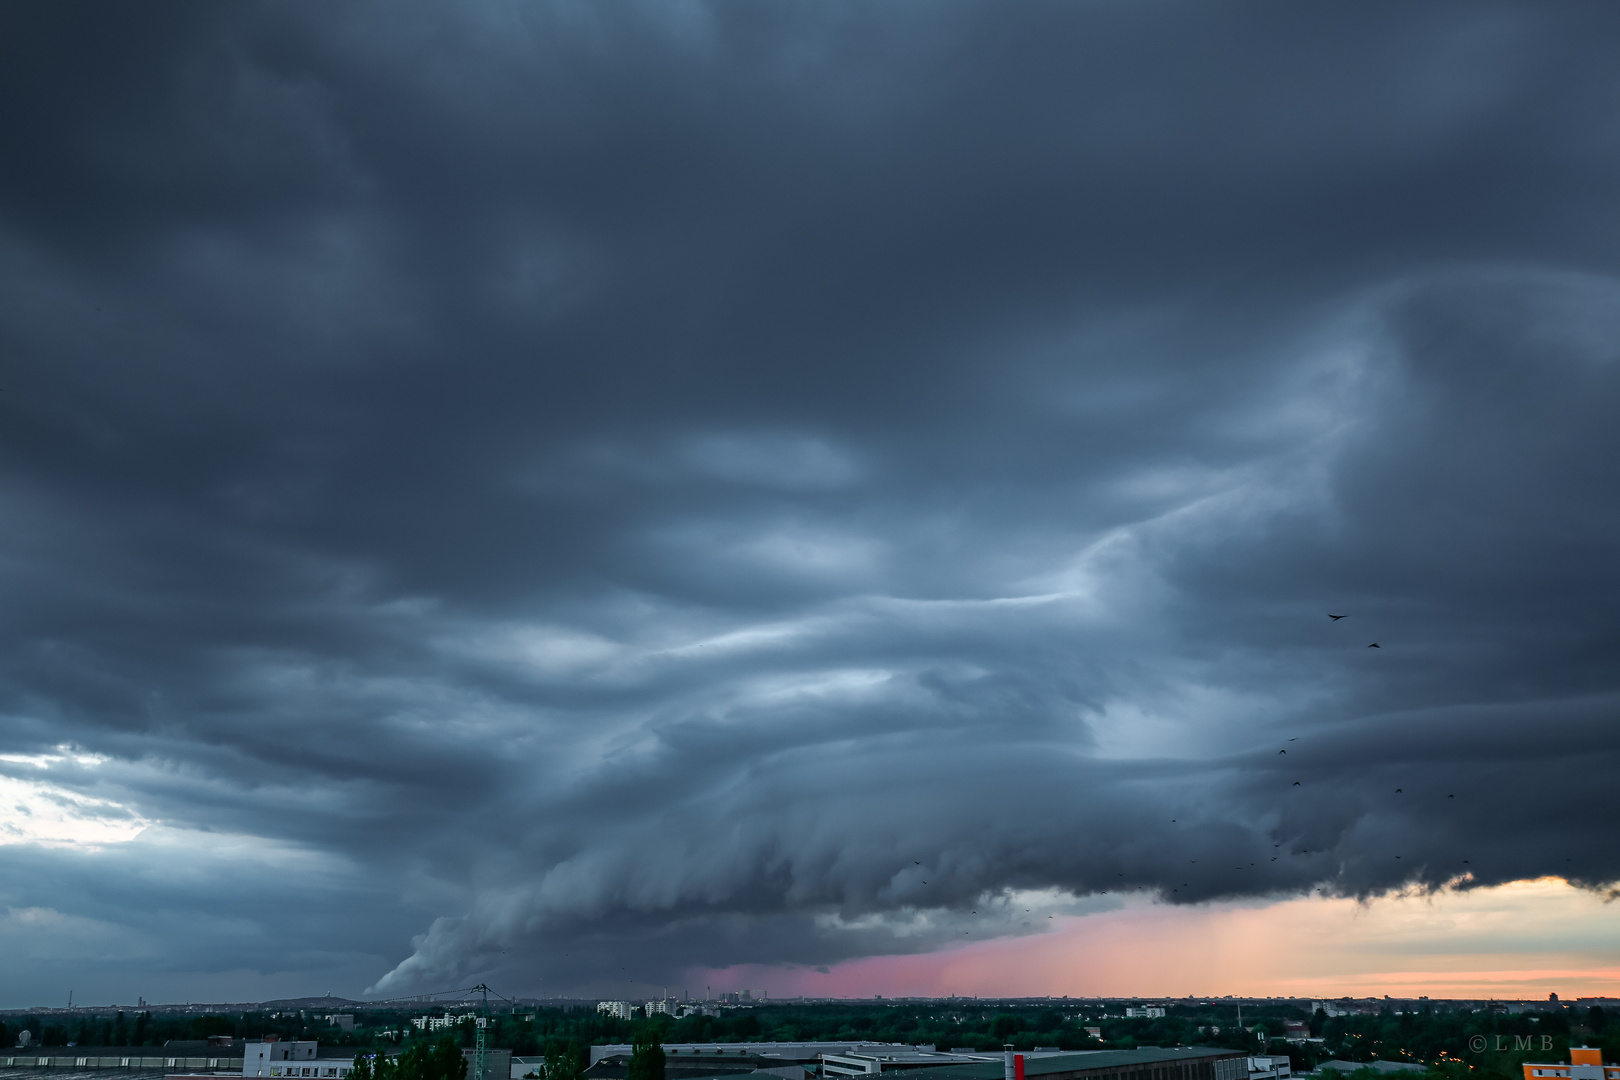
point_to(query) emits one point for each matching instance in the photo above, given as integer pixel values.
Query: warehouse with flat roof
(1178, 1063)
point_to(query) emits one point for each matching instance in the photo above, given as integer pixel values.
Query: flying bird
(1374, 645)
(1282, 751)
(1296, 783)
(1397, 791)
(1335, 618)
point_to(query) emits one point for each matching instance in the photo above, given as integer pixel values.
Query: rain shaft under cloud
(600, 491)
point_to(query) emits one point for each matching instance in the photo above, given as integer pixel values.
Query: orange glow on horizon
(1522, 940)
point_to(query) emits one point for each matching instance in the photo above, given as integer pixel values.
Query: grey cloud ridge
(537, 491)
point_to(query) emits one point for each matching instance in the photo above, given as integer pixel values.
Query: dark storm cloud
(608, 490)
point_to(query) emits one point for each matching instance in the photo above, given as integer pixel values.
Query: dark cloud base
(609, 490)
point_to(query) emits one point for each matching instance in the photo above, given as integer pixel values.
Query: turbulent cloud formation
(565, 494)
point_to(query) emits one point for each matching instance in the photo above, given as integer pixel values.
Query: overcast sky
(585, 496)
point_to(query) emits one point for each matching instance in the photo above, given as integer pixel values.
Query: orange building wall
(1578, 1055)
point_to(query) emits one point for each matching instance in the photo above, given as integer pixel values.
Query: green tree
(566, 1059)
(646, 1059)
(1006, 1024)
(437, 1060)
(559, 1063)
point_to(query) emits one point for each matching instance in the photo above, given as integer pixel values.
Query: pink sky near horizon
(1526, 939)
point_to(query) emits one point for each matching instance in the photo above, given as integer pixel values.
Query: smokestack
(1007, 1065)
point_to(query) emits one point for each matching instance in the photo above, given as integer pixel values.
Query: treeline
(979, 1028)
(428, 1059)
(1454, 1044)
(1482, 1044)
(123, 1029)
(1455, 1041)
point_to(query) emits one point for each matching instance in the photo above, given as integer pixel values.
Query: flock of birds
(1398, 791)
(1284, 751)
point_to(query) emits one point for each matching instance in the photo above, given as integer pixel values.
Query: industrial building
(199, 1056)
(1585, 1063)
(873, 1060)
(1180, 1063)
(307, 1060)
(1269, 1067)
(792, 1061)
(296, 1057)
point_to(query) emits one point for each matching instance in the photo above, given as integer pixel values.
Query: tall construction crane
(481, 1039)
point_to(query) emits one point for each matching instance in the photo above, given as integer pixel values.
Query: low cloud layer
(567, 495)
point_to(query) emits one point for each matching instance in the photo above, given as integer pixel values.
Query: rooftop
(1047, 1064)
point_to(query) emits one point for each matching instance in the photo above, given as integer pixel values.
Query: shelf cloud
(569, 495)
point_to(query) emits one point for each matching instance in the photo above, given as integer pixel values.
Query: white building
(1269, 1067)
(1145, 1011)
(666, 1008)
(294, 1057)
(435, 1023)
(871, 1060)
(621, 1009)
